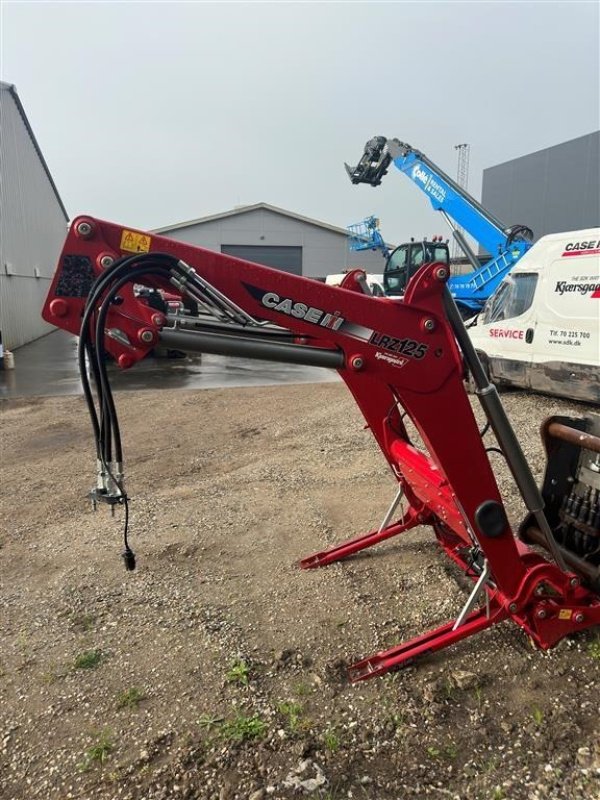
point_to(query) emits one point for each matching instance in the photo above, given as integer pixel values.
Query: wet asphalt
(48, 367)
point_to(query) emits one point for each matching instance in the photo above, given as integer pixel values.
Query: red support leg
(348, 548)
(437, 639)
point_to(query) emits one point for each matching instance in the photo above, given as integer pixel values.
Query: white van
(540, 330)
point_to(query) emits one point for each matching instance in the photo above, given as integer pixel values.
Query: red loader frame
(399, 359)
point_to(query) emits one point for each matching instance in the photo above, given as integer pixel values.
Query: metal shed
(552, 190)
(278, 238)
(33, 224)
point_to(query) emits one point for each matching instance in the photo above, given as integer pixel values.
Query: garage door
(288, 259)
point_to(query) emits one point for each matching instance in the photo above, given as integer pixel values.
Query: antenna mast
(462, 178)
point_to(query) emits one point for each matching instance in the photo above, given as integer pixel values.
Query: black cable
(485, 429)
(495, 450)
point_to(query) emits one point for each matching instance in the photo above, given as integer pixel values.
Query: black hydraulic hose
(108, 406)
(85, 347)
(101, 283)
(106, 429)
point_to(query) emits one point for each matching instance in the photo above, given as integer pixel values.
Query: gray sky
(153, 113)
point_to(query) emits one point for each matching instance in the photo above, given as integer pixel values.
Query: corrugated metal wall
(553, 190)
(32, 229)
(323, 251)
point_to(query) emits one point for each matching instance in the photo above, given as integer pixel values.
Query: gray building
(277, 238)
(33, 224)
(552, 190)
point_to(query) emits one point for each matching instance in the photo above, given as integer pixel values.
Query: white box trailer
(540, 330)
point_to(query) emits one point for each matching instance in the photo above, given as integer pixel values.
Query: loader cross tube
(397, 358)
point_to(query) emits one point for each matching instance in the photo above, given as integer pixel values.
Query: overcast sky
(154, 113)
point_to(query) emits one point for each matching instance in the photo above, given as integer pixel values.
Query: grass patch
(242, 728)
(303, 689)
(130, 698)
(83, 622)
(89, 659)
(99, 752)
(538, 715)
(208, 723)
(292, 713)
(239, 672)
(594, 648)
(331, 740)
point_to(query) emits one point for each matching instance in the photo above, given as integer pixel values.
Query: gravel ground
(217, 669)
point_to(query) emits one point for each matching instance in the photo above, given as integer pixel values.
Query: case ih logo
(285, 305)
(591, 248)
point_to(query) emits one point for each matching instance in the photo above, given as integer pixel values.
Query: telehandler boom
(401, 359)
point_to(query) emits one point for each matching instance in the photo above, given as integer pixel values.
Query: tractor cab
(406, 259)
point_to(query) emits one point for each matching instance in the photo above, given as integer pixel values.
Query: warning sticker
(565, 613)
(134, 242)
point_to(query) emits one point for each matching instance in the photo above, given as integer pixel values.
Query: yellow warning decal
(565, 613)
(134, 242)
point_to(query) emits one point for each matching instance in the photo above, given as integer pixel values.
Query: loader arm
(399, 359)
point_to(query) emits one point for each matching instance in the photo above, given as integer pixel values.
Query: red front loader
(401, 360)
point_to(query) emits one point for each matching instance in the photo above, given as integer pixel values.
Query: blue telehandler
(505, 245)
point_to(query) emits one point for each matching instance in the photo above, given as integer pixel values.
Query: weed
(83, 622)
(478, 695)
(594, 648)
(89, 659)
(433, 752)
(397, 720)
(450, 751)
(449, 689)
(292, 712)
(239, 672)
(23, 643)
(302, 689)
(99, 752)
(489, 765)
(242, 728)
(538, 715)
(131, 698)
(331, 740)
(499, 793)
(209, 723)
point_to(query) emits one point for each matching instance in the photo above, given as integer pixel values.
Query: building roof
(244, 210)
(12, 89)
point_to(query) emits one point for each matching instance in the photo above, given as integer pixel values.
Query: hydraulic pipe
(505, 435)
(585, 440)
(247, 347)
(462, 242)
(584, 568)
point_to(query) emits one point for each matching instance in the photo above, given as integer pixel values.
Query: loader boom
(399, 359)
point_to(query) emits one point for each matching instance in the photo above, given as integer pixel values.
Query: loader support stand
(352, 546)
(430, 642)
